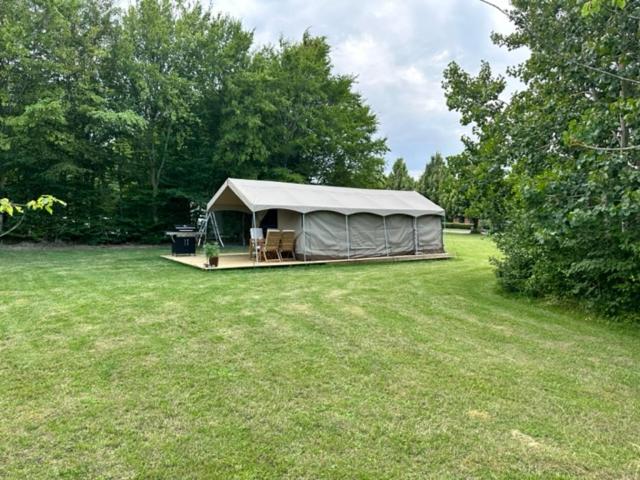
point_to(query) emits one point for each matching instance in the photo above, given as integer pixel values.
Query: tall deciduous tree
(432, 181)
(560, 163)
(288, 117)
(399, 177)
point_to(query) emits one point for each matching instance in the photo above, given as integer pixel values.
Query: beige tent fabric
(366, 236)
(325, 236)
(429, 233)
(400, 234)
(259, 195)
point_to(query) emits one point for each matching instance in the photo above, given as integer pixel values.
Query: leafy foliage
(399, 178)
(43, 202)
(211, 249)
(135, 116)
(557, 170)
(439, 184)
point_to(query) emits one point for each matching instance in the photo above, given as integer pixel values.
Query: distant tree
(431, 182)
(399, 178)
(439, 184)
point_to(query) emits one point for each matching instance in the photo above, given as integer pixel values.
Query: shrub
(458, 226)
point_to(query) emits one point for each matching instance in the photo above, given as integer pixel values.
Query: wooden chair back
(287, 243)
(272, 243)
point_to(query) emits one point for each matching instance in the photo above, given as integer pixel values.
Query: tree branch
(600, 70)
(14, 227)
(605, 149)
(500, 9)
(609, 149)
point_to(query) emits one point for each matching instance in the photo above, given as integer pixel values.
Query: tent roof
(258, 195)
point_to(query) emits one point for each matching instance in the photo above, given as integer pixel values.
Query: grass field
(115, 363)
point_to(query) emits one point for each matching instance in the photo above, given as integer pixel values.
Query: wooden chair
(257, 240)
(272, 245)
(288, 243)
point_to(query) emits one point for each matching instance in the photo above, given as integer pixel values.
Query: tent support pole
(255, 243)
(304, 239)
(346, 224)
(415, 235)
(386, 237)
(216, 229)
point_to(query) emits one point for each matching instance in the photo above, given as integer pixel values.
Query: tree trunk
(154, 198)
(476, 225)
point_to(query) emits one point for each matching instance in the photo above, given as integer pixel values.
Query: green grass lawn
(115, 363)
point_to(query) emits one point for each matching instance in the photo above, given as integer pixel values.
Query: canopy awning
(259, 195)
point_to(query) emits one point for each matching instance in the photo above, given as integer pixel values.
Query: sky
(397, 49)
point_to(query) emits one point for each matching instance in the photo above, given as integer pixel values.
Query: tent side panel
(326, 236)
(366, 235)
(430, 233)
(400, 234)
(289, 220)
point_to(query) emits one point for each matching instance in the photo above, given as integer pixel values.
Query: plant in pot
(212, 252)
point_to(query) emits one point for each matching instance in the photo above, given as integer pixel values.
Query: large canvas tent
(338, 222)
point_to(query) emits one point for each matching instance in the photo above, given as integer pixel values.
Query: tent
(338, 222)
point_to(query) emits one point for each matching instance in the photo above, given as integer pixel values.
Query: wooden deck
(230, 261)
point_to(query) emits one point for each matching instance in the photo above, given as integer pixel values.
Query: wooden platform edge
(351, 261)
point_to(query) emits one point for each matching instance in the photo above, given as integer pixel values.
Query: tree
(51, 94)
(399, 178)
(431, 182)
(559, 163)
(439, 184)
(165, 56)
(480, 185)
(288, 117)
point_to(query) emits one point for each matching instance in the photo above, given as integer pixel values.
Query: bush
(458, 226)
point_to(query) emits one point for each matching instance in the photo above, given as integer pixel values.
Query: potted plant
(212, 252)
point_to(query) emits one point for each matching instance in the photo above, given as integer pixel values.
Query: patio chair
(287, 244)
(272, 245)
(257, 240)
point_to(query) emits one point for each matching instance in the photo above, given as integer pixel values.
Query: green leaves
(7, 207)
(44, 202)
(399, 178)
(132, 115)
(592, 7)
(288, 117)
(557, 169)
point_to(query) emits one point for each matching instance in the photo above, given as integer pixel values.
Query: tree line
(135, 117)
(556, 168)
